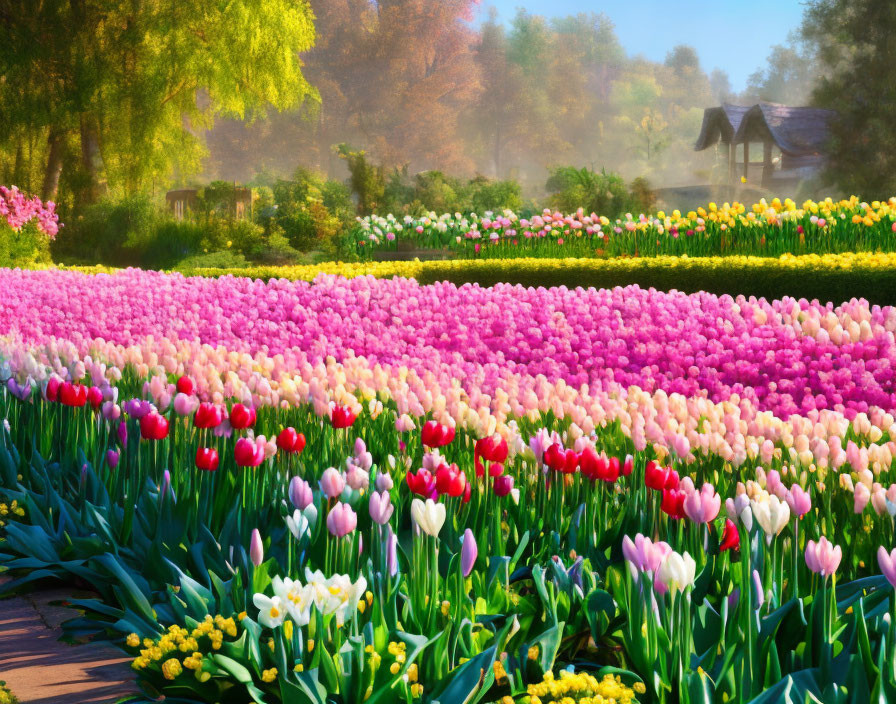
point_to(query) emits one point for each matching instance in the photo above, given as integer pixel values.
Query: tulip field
(763, 229)
(369, 489)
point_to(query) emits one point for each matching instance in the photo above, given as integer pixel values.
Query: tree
(720, 85)
(856, 49)
(134, 81)
(789, 77)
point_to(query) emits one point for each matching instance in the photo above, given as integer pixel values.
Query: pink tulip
(703, 506)
(256, 548)
(798, 500)
(887, 562)
(341, 520)
(823, 557)
(332, 483)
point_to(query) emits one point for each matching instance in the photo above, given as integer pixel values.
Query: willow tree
(131, 85)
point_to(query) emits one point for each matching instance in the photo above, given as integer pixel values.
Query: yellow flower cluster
(398, 651)
(470, 268)
(10, 510)
(581, 688)
(179, 641)
(7, 697)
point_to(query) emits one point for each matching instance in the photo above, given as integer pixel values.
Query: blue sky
(734, 35)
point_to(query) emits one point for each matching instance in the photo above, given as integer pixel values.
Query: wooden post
(746, 160)
(767, 166)
(732, 162)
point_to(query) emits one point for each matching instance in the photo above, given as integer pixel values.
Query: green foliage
(368, 182)
(571, 188)
(24, 247)
(141, 80)
(227, 259)
(310, 211)
(856, 49)
(138, 232)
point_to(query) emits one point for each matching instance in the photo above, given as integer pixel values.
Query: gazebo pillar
(732, 162)
(746, 160)
(767, 166)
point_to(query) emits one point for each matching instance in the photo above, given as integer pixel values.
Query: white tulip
(677, 571)
(430, 516)
(772, 515)
(297, 523)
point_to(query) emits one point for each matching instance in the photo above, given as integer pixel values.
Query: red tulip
(451, 480)
(628, 465)
(208, 415)
(421, 483)
(467, 493)
(248, 453)
(503, 485)
(672, 480)
(655, 476)
(730, 537)
(153, 427)
(673, 503)
(94, 397)
(435, 434)
(185, 385)
(74, 395)
(342, 417)
(588, 461)
(480, 468)
(495, 470)
(242, 417)
(207, 458)
(492, 448)
(290, 441)
(609, 470)
(53, 384)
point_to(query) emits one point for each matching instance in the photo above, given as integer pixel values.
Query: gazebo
(799, 134)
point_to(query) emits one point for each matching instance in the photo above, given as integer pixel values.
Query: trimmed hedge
(832, 277)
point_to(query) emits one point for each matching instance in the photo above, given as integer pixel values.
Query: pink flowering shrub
(26, 227)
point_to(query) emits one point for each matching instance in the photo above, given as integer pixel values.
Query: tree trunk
(91, 161)
(56, 143)
(15, 177)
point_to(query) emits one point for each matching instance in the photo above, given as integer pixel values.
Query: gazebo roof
(797, 131)
(720, 124)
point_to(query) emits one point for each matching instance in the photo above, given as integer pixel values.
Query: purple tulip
(391, 552)
(384, 481)
(123, 433)
(112, 458)
(300, 493)
(468, 552)
(381, 507)
(256, 548)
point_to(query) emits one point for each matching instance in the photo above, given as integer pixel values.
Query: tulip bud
(468, 553)
(256, 548)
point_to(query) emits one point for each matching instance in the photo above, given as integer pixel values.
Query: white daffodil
(430, 516)
(271, 610)
(335, 595)
(298, 525)
(296, 597)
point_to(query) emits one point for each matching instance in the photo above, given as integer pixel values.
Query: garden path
(40, 669)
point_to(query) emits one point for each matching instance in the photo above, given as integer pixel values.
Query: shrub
(571, 188)
(24, 247)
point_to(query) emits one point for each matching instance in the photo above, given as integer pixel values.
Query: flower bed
(372, 490)
(764, 229)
